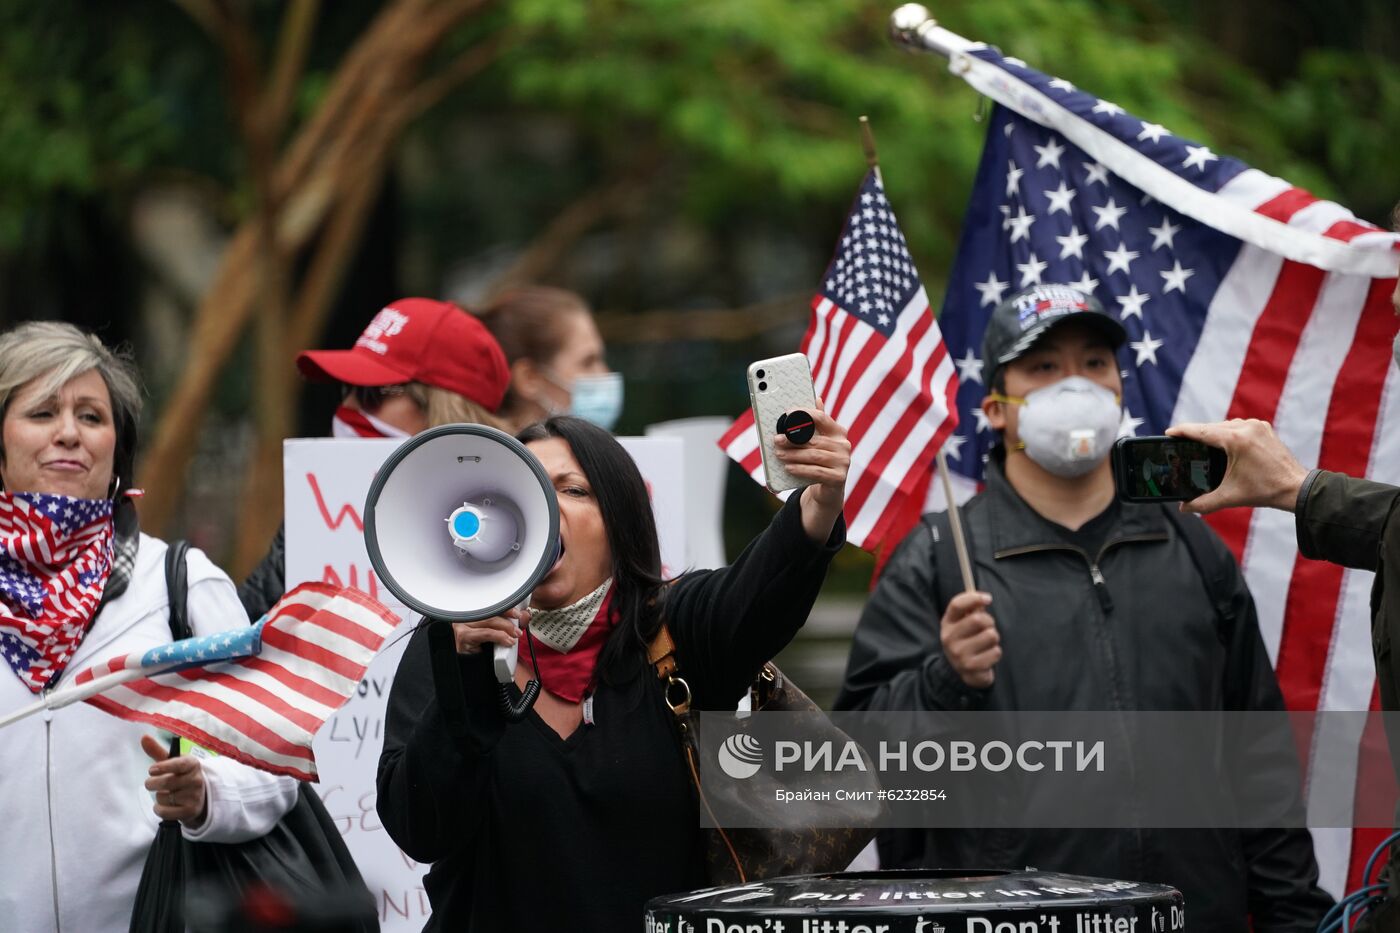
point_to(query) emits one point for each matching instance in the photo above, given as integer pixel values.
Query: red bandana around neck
(568, 674)
(55, 558)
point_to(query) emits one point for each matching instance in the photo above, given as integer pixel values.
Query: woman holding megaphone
(574, 817)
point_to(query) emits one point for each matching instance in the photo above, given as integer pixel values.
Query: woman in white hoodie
(81, 791)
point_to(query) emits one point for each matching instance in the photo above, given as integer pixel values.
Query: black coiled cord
(516, 703)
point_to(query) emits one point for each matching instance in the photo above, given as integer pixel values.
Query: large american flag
(1242, 295)
(879, 366)
(55, 557)
(257, 694)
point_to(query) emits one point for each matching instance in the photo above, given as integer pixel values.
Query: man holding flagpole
(1086, 604)
(1243, 296)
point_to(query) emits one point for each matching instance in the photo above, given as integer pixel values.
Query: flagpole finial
(909, 22)
(867, 141)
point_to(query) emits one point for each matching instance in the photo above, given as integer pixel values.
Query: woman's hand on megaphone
(501, 630)
(823, 461)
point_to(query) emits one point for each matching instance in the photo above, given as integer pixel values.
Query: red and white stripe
(354, 423)
(1253, 207)
(263, 710)
(22, 541)
(1310, 351)
(894, 397)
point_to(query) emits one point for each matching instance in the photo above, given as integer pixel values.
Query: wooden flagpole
(955, 523)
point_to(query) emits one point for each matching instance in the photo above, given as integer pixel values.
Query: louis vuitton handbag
(738, 855)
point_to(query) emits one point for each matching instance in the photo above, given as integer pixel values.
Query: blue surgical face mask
(597, 398)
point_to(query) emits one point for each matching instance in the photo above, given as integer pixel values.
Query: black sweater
(527, 831)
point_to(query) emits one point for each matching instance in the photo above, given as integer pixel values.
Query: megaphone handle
(515, 704)
(504, 662)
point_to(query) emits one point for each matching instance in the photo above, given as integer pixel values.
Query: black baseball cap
(1022, 319)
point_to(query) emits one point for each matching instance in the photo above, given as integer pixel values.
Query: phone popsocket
(797, 426)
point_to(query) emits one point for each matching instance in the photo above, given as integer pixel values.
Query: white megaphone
(462, 523)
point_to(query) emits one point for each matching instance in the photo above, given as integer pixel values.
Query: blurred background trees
(225, 182)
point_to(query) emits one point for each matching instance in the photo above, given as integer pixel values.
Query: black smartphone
(1165, 469)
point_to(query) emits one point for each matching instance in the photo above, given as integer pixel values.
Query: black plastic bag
(299, 876)
(159, 906)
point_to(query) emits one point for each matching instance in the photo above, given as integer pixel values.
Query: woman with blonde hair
(420, 363)
(79, 585)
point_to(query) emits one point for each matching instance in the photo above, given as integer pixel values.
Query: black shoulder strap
(1197, 538)
(177, 585)
(947, 570)
(177, 588)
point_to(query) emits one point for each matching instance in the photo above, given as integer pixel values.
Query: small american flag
(880, 368)
(55, 557)
(256, 694)
(1243, 296)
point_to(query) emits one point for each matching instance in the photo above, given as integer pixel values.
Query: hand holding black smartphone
(1165, 469)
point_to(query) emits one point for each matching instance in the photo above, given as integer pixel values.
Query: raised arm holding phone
(576, 815)
(1340, 519)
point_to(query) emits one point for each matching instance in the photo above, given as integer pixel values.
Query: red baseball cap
(418, 340)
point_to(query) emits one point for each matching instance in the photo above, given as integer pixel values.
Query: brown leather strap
(700, 791)
(661, 653)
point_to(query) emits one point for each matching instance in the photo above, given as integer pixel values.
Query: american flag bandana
(55, 557)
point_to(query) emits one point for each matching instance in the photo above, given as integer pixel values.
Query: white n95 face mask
(1069, 427)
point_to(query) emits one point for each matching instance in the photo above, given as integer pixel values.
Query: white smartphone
(777, 386)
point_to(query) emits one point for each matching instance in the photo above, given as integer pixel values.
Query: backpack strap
(1214, 573)
(177, 588)
(947, 571)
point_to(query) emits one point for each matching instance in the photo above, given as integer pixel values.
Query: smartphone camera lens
(763, 387)
(759, 374)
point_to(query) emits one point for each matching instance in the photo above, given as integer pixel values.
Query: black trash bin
(939, 901)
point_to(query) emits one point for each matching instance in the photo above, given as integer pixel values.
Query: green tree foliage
(731, 122)
(79, 112)
(754, 99)
(760, 96)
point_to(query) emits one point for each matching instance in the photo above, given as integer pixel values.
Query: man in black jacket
(1082, 599)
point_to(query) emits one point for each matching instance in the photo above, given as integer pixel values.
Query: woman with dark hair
(574, 817)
